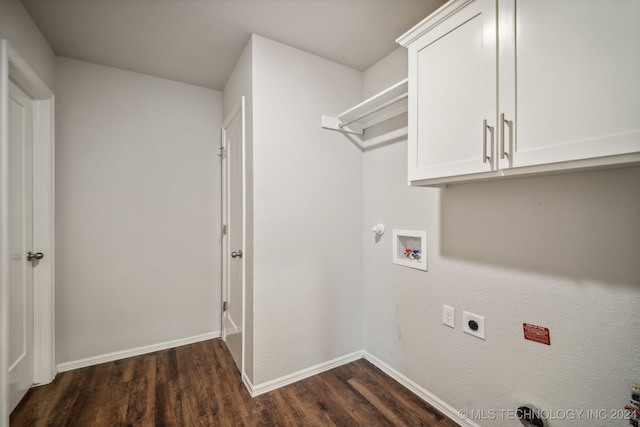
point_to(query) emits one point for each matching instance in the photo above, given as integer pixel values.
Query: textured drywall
(137, 210)
(307, 277)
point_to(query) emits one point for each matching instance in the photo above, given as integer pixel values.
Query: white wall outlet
(449, 316)
(473, 324)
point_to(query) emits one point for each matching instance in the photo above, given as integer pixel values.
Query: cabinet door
(576, 74)
(452, 78)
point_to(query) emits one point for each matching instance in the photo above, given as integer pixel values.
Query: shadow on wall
(583, 225)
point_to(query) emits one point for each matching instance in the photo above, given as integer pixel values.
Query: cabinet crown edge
(431, 21)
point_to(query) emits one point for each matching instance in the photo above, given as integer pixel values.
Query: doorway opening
(233, 235)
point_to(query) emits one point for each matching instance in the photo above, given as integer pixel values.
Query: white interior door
(233, 240)
(26, 223)
(20, 221)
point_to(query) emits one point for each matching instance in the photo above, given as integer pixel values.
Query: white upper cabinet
(520, 87)
(453, 95)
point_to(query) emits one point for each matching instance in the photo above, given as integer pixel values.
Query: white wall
(17, 27)
(557, 251)
(307, 213)
(137, 210)
(386, 72)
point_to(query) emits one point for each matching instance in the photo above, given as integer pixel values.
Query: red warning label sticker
(536, 333)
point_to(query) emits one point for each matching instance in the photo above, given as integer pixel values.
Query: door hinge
(224, 229)
(224, 306)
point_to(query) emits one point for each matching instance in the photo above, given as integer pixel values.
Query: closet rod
(375, 110)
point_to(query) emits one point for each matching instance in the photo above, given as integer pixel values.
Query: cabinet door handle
(503, 149)
(486, 157)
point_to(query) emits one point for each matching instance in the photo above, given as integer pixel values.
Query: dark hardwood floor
(199, 385)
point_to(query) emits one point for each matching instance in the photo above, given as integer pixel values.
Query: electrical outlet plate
(449, 316)
(466, 318)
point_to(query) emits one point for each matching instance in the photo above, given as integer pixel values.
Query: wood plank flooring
(199, 385)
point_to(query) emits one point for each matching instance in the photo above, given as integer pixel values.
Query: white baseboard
(428, 397)
(95, 360)
(300, 375)
(248, 384)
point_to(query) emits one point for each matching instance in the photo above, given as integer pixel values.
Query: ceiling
(199, 41)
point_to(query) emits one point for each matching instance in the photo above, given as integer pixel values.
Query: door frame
(226, 249)
(14, 67)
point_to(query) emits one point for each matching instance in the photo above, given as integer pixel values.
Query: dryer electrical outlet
(473, 324)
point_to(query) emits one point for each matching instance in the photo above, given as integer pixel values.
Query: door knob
(31, 256)
(236, 254)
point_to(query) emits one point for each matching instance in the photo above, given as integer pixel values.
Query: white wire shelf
(385, 105)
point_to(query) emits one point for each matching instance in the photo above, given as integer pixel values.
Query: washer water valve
(412, 253)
